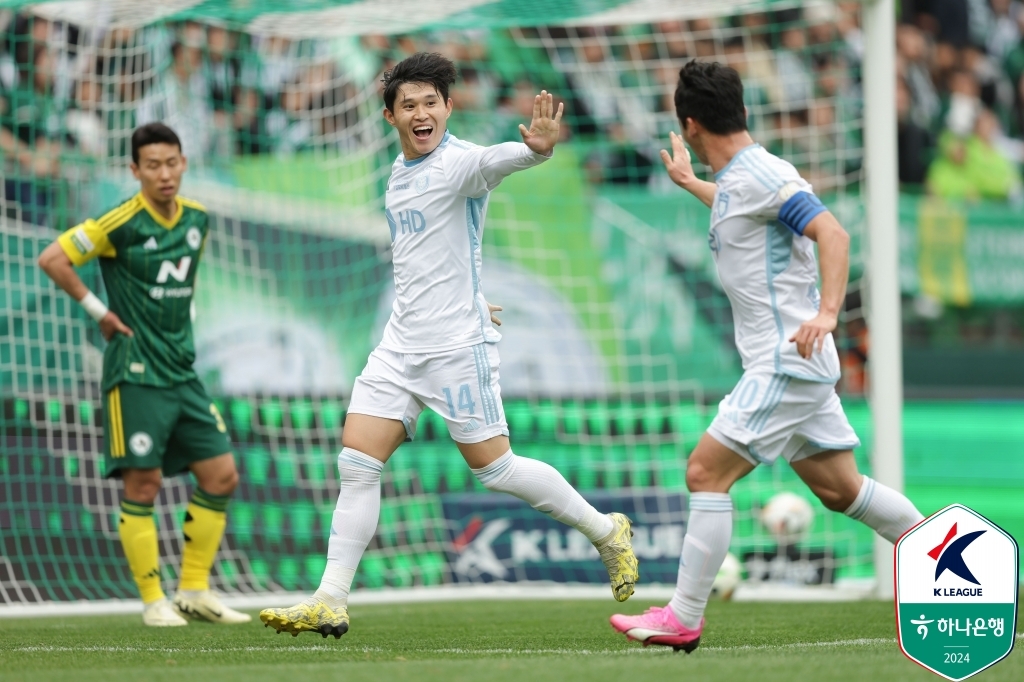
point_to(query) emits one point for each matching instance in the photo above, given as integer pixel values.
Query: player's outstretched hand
(543, 132)
(494, 309)
(812, 333)
(678, 165)
(111, 324)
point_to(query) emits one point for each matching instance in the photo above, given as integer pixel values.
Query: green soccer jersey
(149, 267)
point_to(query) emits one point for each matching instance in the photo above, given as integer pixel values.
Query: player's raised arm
(484, 168)
(542, 136)
(834, 258)
(680, 170)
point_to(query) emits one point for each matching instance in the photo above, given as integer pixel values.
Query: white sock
(888, 512)
(708, 532)
(353, 525)
(545, 490)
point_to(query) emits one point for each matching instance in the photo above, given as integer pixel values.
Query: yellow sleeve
(86, 241)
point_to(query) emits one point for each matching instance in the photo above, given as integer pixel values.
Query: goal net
(617, 337)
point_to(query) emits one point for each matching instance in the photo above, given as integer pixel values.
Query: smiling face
(421, 117)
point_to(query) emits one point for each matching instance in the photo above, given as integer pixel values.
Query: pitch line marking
(457, 651)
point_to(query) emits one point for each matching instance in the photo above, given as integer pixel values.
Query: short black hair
(152, 133)
(711, 94)
(423, 67)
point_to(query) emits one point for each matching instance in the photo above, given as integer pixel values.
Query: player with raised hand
(159, 420)
(439, 347)
(765, 221)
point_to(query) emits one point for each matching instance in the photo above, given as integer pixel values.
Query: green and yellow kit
(158, 415)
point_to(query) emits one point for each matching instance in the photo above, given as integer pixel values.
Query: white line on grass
(456, 651)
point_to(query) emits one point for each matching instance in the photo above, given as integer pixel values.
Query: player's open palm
(111, 324)
(543, 133)
(678, 165)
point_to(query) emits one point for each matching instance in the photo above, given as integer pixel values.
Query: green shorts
(161, 428)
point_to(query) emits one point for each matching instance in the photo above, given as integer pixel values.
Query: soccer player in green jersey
(159, 419)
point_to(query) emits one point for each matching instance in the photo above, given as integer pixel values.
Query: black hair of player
(423, 67)
(711, 94)
(152, 133)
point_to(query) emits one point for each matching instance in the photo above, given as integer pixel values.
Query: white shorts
(460, 385)
(769, 414)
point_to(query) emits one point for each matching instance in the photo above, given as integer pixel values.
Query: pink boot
(659, 625)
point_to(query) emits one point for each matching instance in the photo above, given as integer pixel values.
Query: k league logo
(956, 593)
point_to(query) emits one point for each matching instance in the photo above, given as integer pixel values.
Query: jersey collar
(416, 162)
(737, 155)
(155, 215)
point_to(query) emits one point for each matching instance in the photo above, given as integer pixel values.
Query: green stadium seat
(86, 522)
(546, 415)
(625, 416)
(456, 473)
(616, 463)
(21, 410)
(302, 521)
(315, 565)
(652, 418)
(240, 412)
(572, 417)
(431, 567)
(331, 415)
(598, 418)
(271, 415)
(414, 515)
(587, 459)
(54, 410)
(671, 471)
(228, 571)
(428, 463)
(241, 517)
(326, 515)
(387, 526)
(315, 466)
(285, 463)
(641, 466)
(85, 413)
(273, 522)
(55, 522)
(288, 574)
(519, 416)
(431, 426)
(256, 465)
(301, 413)
(372, 571)
(71, 467)
(260, 571)
(402, 570)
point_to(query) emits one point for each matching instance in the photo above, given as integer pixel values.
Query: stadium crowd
(66, 101)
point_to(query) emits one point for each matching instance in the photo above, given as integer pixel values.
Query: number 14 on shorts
(466, 403)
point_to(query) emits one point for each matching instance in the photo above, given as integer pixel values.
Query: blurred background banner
(618, 340)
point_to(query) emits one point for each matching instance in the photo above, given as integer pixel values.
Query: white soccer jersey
(768, 270)
(435, 206)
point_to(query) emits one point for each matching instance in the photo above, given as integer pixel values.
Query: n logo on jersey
(179, 272)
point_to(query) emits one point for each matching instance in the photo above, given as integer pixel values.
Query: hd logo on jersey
(956, 592)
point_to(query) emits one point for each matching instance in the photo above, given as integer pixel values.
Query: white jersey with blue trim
(766, 266)
(435, 206)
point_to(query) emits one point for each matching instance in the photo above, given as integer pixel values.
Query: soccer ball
(729, 576)
(787, 516)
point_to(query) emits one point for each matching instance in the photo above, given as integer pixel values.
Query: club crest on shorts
(140, 443)
(194, 238)
(421, 183)
(956, 593)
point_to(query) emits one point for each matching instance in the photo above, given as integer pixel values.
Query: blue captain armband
(799, 210)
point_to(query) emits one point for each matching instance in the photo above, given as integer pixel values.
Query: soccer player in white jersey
(765, 221)
(438, 349)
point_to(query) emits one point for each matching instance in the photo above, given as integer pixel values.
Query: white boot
(206, 605)
(161, 614)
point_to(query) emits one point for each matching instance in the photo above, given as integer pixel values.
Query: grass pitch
(520, 641)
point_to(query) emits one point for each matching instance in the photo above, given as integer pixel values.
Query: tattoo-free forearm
(834, 257)
(702, 189)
